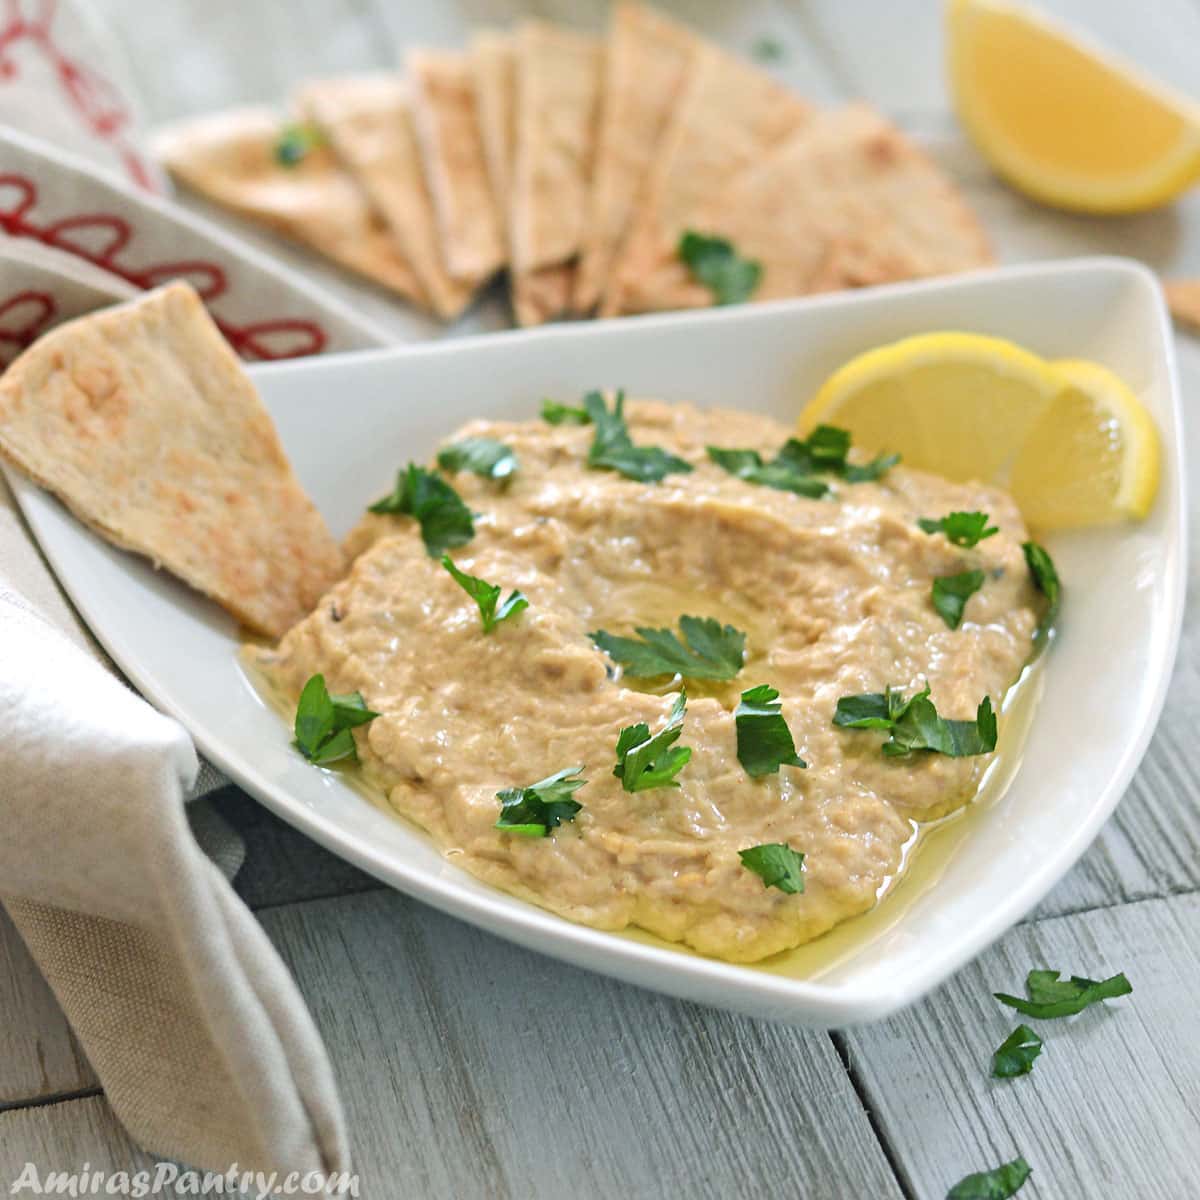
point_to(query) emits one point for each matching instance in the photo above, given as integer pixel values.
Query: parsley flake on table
(645, 762)
(997, 1184)
(613, 449)
(295, 141)
(712, 651)
(961, 528)
(951, 593)
(715, 263)
(777, 865)
(485, 457)
(1045, 579)
(1049, 997)
(1016, 1053)
(914, 724)
(554, 413)
(487, 596)
(534, 810)
(764, 742)
(324, 721)
(444, 519)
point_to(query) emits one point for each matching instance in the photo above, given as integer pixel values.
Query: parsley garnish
(960, 528)
(764, 742)
(445, 520)
(998, 1184)
(1046, 580)
(613, 449)
(1049, 996)
(1016, 1053)
(779, 473)
(487, 596)
(483, 456)
(645, 762)
(767, 49)
(715, 263)
(915, 724)
(564, 414)
(869, 472)
(324, 721)
(534, 810)
(294, 143)
(713, 651)
(951, 593)
(777, 865)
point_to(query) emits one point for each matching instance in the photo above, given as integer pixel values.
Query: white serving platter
(348, 422)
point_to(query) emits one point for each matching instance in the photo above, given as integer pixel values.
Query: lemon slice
(1061, 120)
(959, 404)
(1093, 456)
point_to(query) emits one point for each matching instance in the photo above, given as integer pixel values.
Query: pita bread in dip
(448, 134)
(368, 122)
(1183, 299)
(142, 421)
(539, 295)
(647, 64)
(848, 201)
(730, 117)
(229, 158)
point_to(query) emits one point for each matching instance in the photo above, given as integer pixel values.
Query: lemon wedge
(1069, 439)
(1062, 121)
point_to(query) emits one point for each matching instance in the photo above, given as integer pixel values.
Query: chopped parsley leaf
(1045, 578)
(613, 449)
(997, 1184)
(764, 742)
(951, 593)
(294, 143)
(564, 414)
(961, 528)
(645, 762)
(444, 519)
(914, 724)
(767, 49)
(1050, 997)
(777, 865)
(324, 721)
(869, 472)
(712, 651)
(534, 810)
(715, 263)
(778, 474)
(485, 457)
(486, 596)
(1016, 1053)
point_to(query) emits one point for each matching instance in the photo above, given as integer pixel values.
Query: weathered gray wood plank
(1112, 1107)
(470, 1068)
(63, 1137)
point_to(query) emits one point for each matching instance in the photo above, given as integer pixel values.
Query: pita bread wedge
(558, 99)
(447, 124)
(848, 201)
(647, 63)
(1183, 299)
(729, 118)
(540, 295)
(229, 158)
(142, 421)
(368, 122)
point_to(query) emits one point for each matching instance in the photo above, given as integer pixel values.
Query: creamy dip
(833, 595)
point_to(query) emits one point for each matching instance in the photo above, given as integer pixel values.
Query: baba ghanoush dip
(820, 595)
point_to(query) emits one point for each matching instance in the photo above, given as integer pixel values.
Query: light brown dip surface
(834, 597)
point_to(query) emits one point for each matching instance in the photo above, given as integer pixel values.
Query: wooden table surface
(470, 1068)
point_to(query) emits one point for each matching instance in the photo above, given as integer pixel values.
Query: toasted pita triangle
(848, 201)
(229, 158)
(558, 98)
(538, 295)
(142, 421)
(448, 133)
(1183, 299)
(647, 63)
(368, 121)
(729, 118)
